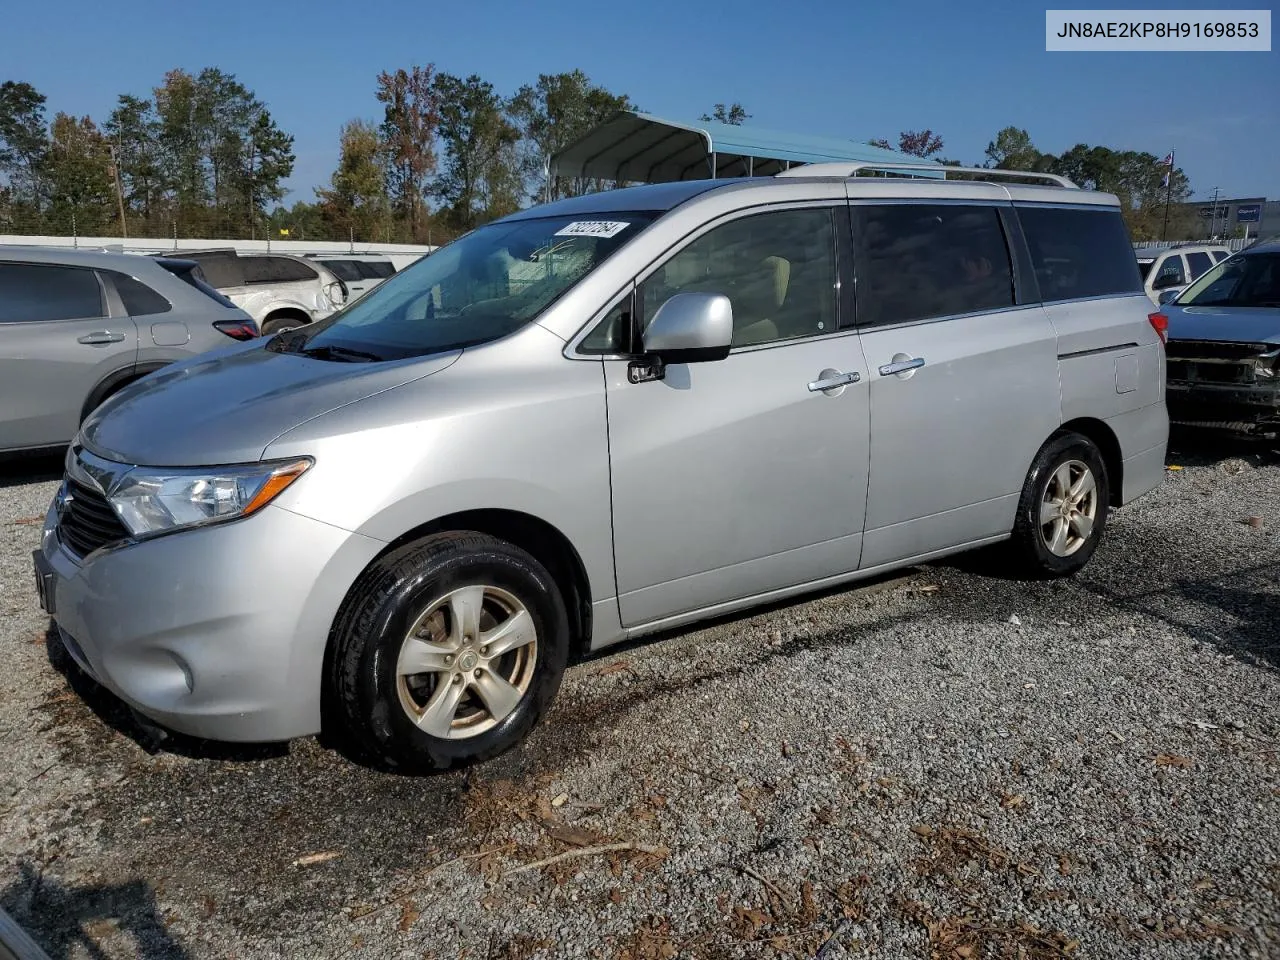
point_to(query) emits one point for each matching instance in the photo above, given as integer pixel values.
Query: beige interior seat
(759, 299)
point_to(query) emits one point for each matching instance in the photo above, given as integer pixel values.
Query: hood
(229, 406)
(1240, 324)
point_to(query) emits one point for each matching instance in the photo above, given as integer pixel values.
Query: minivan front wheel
(448, 651)
(1063, 507)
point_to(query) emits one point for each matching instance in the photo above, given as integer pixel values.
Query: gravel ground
(947, 764)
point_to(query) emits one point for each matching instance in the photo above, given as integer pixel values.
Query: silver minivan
(594, 420)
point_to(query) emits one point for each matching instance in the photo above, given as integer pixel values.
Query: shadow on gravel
(1203, 448)
(19, 469)
(1241, 593)
(113, 712)
(69, 921)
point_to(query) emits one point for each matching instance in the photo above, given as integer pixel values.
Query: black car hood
(227, 407)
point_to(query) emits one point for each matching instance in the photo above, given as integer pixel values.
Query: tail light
(1160, 323)
(237, 329)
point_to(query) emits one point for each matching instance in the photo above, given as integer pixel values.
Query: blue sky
(841, 69)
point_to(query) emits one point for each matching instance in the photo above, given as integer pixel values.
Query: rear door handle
(101, 336)
(833, 380)
(901, 366)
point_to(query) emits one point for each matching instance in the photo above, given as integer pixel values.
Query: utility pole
(1168, 191)
(115, 173)
(1213, 220)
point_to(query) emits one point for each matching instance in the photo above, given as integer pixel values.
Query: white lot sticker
(592, 228)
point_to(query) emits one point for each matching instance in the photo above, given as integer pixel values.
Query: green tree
(303, 220)
(24, 141)
(355, 203)
(553, 113)
(181, 117)
(77, 176)
(134, 131)
(1012, 149)
(479, 142)
(1134, 177)
(734, 114)
(411, 117)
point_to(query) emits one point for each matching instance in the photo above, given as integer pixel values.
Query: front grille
(1215, 350)
(1219, 372)
(87, 521)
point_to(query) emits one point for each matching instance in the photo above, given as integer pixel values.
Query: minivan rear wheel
(448, 651)
(1063, 507)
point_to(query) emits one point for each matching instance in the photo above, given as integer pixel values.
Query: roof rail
(852, 170)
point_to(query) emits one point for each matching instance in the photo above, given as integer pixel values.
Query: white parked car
(361, 272)
(279, 291)
(1169, 270)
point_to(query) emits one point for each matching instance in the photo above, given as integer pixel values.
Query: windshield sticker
(592, 228)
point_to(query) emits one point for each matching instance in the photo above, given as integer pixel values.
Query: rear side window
(376, 269)
(1198, 263)
(918, 261)
(275, 270)
(1220, 255)
(1171, 273)
(192, 275)
(31, 292)
(220, 269)
(343, 269)
(1079, 252)
(139, 299)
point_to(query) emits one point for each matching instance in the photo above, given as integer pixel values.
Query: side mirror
(1170, 280)
(1167, 295)
(691, 328)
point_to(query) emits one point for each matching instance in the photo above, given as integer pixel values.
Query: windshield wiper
(342, 354)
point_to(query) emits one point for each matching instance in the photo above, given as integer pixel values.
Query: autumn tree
(355, 203)
(553, 113)
(919, 143)
(411, 117)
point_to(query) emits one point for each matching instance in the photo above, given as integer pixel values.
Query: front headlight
(151, 500)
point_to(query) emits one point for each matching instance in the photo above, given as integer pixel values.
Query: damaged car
(1223, 349)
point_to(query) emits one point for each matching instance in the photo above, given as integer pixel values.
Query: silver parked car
(76, 326)
(594, 420)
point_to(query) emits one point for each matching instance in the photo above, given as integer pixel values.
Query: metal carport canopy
(640, 148)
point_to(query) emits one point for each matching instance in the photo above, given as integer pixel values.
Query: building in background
(1229, 218)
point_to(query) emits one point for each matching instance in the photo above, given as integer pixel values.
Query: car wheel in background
(281, 324)
(1063, 508)
(447, 651)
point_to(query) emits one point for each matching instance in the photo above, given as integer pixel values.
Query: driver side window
(778, 269)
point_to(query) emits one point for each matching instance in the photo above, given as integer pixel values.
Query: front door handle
(101, 336)
(832, 380)
(901, 366)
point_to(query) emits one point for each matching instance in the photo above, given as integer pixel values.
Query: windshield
(1241, 281)
(483, 286)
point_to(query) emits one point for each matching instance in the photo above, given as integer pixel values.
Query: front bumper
(215, 632)
(1247, 409)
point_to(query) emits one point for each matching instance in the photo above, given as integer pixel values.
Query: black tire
(1030, 551)
(279, 324)
(365, 695)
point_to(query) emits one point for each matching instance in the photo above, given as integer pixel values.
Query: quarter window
(778, 269)
(1080, 252)
(1198, 263)
(139, 300)
(919, 261)
(32, 292)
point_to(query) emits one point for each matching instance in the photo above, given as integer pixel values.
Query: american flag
(1168, 160)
